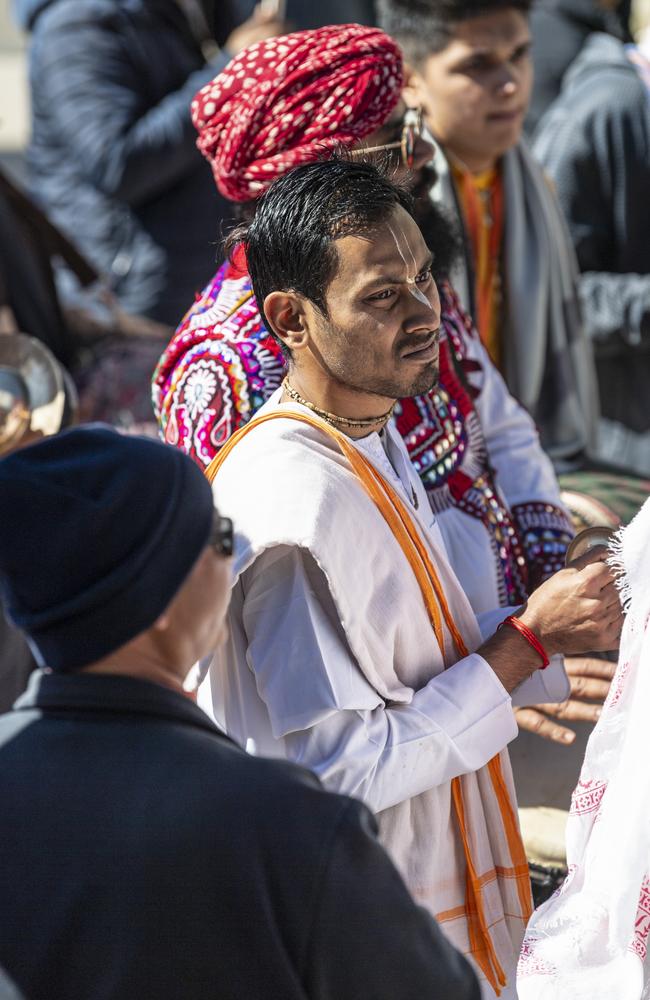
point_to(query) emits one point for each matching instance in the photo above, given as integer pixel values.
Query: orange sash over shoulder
(399, 520)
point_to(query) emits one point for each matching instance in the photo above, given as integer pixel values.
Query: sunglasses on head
(411, 130)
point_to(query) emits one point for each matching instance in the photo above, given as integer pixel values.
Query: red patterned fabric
(281, 101)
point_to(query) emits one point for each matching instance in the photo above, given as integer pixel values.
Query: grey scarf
(549, 365)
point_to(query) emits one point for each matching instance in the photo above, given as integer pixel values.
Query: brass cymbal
(32, 395)
(588, 538)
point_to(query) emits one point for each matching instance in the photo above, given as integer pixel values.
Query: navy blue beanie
(97, 533)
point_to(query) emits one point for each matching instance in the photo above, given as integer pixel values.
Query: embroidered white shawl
(589, 941)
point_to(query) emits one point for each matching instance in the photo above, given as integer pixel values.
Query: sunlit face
(475, 92)
(381, 332)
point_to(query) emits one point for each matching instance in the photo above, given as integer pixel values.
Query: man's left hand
(590, 679)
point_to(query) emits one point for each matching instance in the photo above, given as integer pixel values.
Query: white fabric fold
(332, 662)
(589, 941)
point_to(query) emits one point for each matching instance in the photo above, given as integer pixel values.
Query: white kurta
(298, 677)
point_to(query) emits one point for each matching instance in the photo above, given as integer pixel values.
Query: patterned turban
(281, 102)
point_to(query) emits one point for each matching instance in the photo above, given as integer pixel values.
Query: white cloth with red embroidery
(589, 941)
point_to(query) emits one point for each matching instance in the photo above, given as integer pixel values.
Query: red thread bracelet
(529, 636)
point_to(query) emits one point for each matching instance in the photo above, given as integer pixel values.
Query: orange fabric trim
(481, 944)
(375, 486)
(446, 915)
(398, 519)
(482, 202)
(511, 827)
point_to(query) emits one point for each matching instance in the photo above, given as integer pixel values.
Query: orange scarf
(398, 519)
(481, 197)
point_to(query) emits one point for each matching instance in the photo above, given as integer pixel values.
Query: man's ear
(414, 90)
(285, 314)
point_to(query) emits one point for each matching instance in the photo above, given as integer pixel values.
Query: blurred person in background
(559, 29)
(470, 70)
(112, 155)
(106, 355)
(300, 14)
(594, 142)
(173, 864)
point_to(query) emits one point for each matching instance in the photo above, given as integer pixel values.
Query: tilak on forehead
(402, 245)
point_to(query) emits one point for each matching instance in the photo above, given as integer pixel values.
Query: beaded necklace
(333, 418)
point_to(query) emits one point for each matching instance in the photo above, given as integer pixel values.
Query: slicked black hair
(423, 27)
(289, 243)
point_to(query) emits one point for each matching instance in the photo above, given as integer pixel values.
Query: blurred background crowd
(116, 170)
(111, 223)
(106, 154)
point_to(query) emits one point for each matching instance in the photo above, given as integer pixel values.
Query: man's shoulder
(218, 368)
(271, 790)
(289, 468)
(602, 88)
(280, 435)
(73, 14)
(178, 740)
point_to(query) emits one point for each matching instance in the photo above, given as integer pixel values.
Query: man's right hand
(577, 610)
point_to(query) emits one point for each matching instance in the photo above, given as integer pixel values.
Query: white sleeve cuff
(543, 686)
(472, 706)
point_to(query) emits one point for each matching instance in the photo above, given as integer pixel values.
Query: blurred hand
(590, 680)
(258, 27)
(578, 609)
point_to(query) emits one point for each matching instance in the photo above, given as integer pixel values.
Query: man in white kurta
(332, 659)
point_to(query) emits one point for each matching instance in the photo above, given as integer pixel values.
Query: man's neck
(142, 669)
(474, 165)
(333, 398)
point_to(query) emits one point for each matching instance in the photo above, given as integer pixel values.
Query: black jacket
(595, 144)
(225, 15)
(113, 156)
(145, 855)
(559, 29)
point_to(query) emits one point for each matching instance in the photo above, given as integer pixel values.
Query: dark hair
(422, 27)
(289, 243)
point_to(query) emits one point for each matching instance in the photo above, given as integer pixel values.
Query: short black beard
(387, 387)
(427, 380)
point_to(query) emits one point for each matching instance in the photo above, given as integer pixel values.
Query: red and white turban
(281, 102)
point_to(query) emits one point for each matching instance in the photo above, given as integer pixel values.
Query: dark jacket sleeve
(369, 939)
(596, 154)
(98, 102)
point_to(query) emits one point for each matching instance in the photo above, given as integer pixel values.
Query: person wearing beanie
(143, 853)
